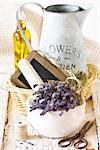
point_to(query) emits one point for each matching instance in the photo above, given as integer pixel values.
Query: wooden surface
(4, 94)
(10, 116)
(3, 113)
(12, 142)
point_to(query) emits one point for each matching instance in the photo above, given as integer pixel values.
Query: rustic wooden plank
(3, 112)
(10, 142)
(96, 104)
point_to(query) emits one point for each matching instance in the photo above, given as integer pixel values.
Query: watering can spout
(82, 14)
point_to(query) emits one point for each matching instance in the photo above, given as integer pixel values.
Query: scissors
(77, 140)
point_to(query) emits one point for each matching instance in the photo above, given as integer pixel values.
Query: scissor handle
(65, 142)
(82, 143)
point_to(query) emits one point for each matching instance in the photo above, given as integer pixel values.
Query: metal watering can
(61, 37)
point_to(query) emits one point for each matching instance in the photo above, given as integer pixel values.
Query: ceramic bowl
(52, 124)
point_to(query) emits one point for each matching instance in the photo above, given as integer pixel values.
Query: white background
(91, 27)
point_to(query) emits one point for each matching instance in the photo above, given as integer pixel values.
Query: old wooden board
(3, 113)
(37, 143)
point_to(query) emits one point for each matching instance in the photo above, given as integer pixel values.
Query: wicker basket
(20, 95)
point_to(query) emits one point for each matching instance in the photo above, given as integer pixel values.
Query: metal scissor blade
(87, 126)
(91, 123)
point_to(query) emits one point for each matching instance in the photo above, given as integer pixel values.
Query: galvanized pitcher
(61, 36)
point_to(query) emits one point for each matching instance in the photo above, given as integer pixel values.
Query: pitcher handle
(19, 26)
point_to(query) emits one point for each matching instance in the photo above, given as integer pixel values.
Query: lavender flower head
(55, 96)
